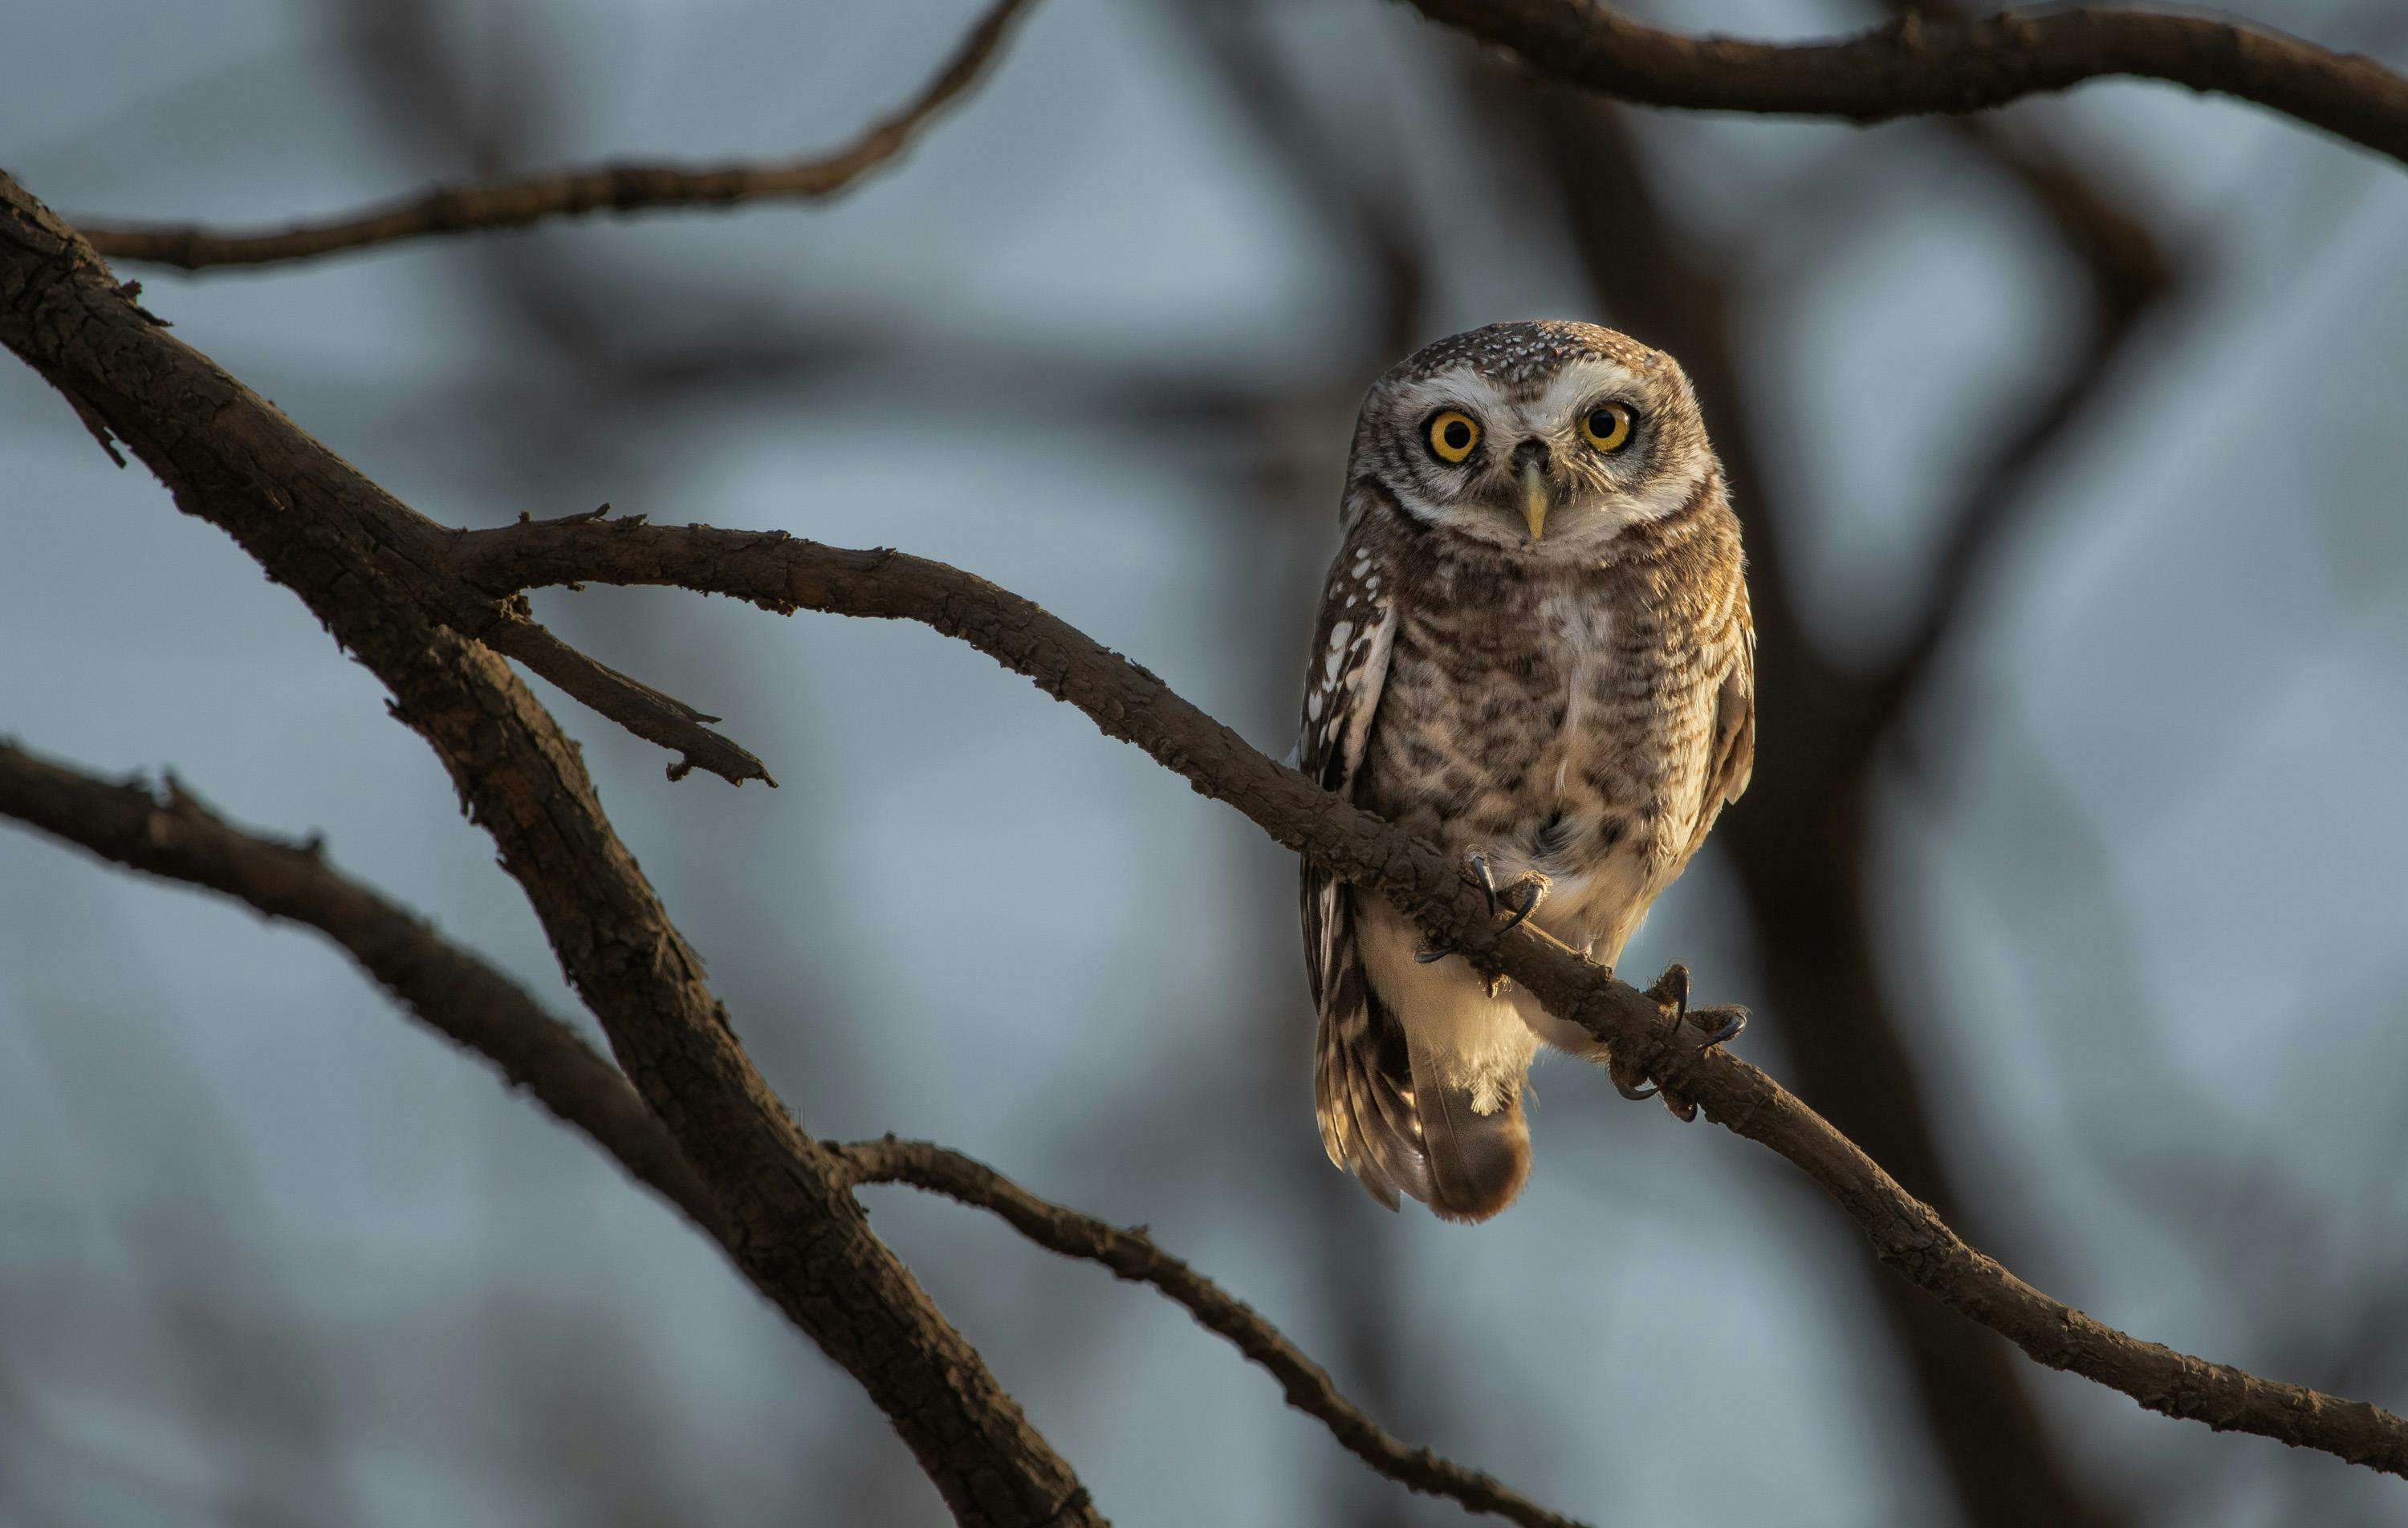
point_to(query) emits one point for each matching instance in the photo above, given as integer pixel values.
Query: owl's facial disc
(1551, 469)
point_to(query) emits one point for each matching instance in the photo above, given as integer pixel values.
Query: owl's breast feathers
(1569, 720)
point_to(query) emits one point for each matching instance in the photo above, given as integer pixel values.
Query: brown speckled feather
(1575, 702)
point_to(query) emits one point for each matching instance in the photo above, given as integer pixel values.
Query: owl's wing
(1362, 1091)
(1734, 745)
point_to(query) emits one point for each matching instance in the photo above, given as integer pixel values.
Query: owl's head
(1546, 439)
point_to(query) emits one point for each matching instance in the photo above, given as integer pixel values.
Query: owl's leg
(1524, 894)
(1714, 1026)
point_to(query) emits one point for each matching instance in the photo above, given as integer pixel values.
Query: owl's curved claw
(1638, 1095)
(1522, 895)
(1728, 1021)
(1714, 1026)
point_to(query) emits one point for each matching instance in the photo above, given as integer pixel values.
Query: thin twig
(1921, 65)
(1131, 1254)
(520, 201)
(636, 706)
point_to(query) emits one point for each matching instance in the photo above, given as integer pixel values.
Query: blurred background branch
(522, 201)
(1928, 62)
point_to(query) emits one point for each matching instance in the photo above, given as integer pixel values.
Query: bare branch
(170, 833)
(655, 717)
(1921, 65)
(521, 201)
(370, 569)
(355, 554)
(783, 573)
(1131, 1254)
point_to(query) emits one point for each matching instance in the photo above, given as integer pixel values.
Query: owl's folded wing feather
(1363, 1076)
(1733, 761)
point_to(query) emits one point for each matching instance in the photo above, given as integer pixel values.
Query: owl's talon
(1534, 888)
(1638, 1095)
(1731, 1020)
(1431, 957)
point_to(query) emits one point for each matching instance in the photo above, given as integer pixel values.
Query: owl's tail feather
(1478, 1163)
(1363, 1093)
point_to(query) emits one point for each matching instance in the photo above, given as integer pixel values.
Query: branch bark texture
(523, 201)
(372, 570)
(1921, 65)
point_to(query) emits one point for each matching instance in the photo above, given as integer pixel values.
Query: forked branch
(782, 573)
(169, 832)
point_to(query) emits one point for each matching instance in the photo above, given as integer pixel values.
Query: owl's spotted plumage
(1534, 645)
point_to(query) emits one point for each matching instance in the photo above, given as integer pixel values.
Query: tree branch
(1921, 65)
(782, 573)
(646, 712)
(353, 553)
(521, 201)
(370, 569)
(172, 834)
(1131, 1254)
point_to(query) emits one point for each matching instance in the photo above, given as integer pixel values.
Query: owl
(1535, 650)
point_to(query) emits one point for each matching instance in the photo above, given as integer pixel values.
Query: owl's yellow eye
(1607, 426)
(1452, 434)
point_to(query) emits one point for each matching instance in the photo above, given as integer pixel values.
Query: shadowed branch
(171, 833)
(372, 570)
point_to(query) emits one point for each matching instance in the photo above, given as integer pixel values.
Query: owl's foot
(1714, 1026)
(1524, 894)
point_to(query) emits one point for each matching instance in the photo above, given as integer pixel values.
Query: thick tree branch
(1921, 65)
(782, 573)
(521, 201)
(172, 834)
(370, 569)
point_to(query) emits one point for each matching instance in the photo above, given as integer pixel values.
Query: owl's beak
(1536, 498)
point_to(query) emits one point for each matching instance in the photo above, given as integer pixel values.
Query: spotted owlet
(1534, 649)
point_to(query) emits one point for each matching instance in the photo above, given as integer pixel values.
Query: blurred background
(2070, 449)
